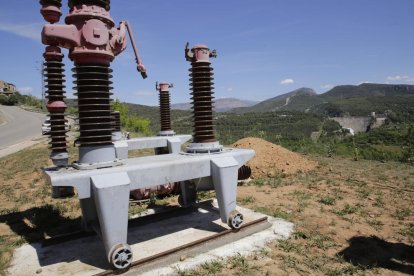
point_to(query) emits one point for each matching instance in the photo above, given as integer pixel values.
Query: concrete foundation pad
(86, 256)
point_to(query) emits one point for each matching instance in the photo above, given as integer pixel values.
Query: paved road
(20, 126)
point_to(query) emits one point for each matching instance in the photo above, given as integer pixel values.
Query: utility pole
(41, 70)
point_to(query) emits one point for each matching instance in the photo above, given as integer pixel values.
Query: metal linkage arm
(140, 66)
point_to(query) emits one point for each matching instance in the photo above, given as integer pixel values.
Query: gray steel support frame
(172, 142)
(104, 193)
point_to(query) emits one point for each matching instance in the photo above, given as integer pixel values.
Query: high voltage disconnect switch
(103, 176)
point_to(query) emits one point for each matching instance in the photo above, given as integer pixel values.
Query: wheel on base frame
(181, 200)
(235, 219)
(121, 256)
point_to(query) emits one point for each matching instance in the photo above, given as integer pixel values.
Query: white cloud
(25, 90)
(401, 78)
(230, 89)
(367, 81)
(31, 31)
(287, 81)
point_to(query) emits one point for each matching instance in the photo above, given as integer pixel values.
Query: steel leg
(224, 174)
(111, 194)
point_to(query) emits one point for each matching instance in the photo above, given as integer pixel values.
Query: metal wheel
(235, 219)
(121, 257)
(181, 200)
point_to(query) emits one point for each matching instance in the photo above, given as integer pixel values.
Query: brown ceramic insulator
(244, 172)
(100, 3)
(54, 79)
(95, 120)
(116, 121)
(202, 85)
(56, 3)
(165, 110)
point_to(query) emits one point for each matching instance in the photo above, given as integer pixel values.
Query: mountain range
(353, 100)
(357, 100)
(220, 105)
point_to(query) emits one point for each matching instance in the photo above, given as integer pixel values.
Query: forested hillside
(352, 100)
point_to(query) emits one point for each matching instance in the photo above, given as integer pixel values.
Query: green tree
(3, 99)
(122, 109)
(31, 100)
(131, 122)
(408, 149)
(13, 99)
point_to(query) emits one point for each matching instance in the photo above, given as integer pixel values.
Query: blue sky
(265, 47)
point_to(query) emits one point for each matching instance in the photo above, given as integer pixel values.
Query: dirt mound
(271, 159)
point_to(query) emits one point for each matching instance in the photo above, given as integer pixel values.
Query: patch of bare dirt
(271, 159)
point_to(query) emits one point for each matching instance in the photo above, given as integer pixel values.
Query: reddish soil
(271, 160)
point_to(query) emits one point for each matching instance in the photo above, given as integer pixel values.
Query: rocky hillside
(298, 100)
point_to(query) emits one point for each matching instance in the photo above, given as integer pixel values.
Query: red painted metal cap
(51, 13)
(163, 86)
(56, 107)
(53, 53)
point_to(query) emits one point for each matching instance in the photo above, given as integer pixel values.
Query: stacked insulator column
(54, 79)
(116, 126)
(165, 109)
(201, 82)
(116, 121)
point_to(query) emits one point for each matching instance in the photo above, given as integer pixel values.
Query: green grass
(402, 213)
(212, 267)
(246, 200)
(278, 213)
(303, 199)
(327, 200)
(376, 224)
(240, 264)
(347, 210)
(408, 232)
(290, 246)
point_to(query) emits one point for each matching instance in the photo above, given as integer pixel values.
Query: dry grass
(351, 218)
(27, 211)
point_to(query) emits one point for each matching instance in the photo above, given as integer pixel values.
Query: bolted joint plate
(166, 133)
(202, 148)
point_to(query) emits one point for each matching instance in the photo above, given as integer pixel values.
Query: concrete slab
(86, 256)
